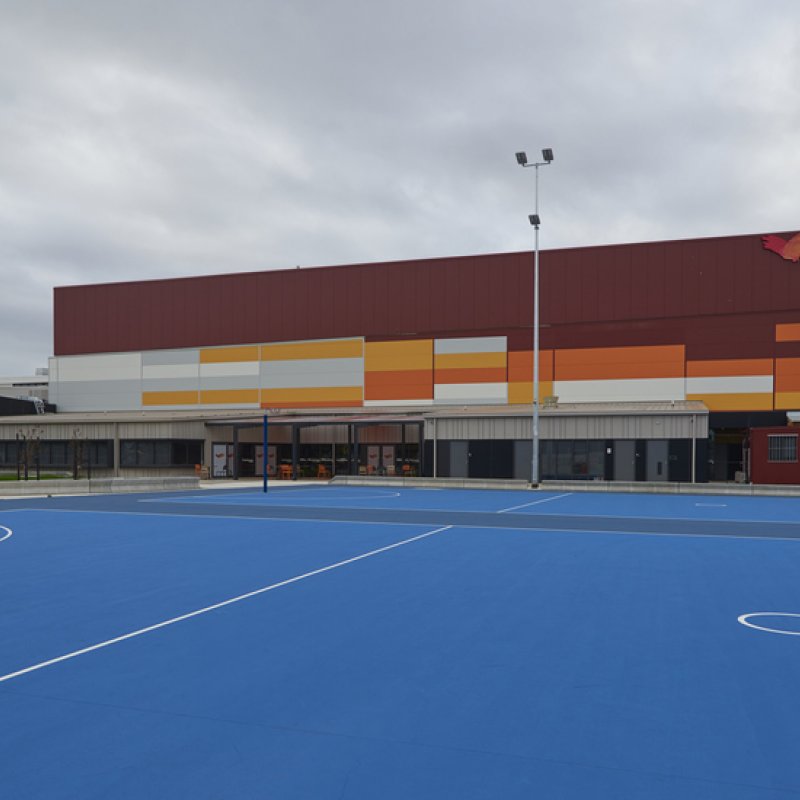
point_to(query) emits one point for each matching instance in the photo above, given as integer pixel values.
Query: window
(782, 447)
(160, 453)
(8, 454)
(55, 454)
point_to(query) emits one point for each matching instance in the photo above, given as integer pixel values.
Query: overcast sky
(162, 138)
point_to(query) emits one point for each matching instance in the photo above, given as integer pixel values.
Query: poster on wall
(219, 460)
(259, 454)
(373, 458)
(272, 460)
(388, 459)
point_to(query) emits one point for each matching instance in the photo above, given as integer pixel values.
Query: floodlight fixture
(522, 160)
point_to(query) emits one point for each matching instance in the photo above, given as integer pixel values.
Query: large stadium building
(656, 360)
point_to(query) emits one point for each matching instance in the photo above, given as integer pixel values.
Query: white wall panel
(729, 385)
(617, 391)
(227, 369)
(470, 393)
(109, 367)
(477, 344)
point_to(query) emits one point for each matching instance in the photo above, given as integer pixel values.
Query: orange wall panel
(612, 363)
(399, 391)
(214, 396)
(787, 375)
(729, 368)
(478, 375)
(169, 398)
(787, 332)
(520, 365)
(522, 392)
(320, 397)
(418, 377)
(755, 401)
(344, 348)
(219, 355)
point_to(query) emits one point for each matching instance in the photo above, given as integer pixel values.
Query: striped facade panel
(731, 384)
(470, 370)
(229, 376)
(619, 374)
(319, 374)
(520, 375)
(171, 378)
(398, 373)
(787, 383)
(107, 382)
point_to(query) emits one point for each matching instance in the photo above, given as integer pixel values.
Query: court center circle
(745, 619)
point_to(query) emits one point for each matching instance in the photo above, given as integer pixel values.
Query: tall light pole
(522, 160)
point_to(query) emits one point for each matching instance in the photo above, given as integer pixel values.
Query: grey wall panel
(170, 384)
(154, 357)
(59, 432)
(580, 427)
(234, 382)
(162, 430)
(120, 395)
(312, 373)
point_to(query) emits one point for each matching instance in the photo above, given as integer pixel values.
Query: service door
(459, 459)
(657, 459)
(624, 460)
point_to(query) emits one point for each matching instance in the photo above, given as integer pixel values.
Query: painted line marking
(744, 619)
(8, 533)
(711, 505)
(535, 502)
(467, 526)
(222, 604)
(256, 500)
(200, 515)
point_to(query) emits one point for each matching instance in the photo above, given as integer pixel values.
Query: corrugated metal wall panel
(61, 432)
(356, 300)
(657, 426)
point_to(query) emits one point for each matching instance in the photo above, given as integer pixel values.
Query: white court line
(744, 619)
(584, 515)
(516, 528)
(8, 533)
(221, 604)
(247, 518)
(227, 500)
(711, 505)
(535, 502)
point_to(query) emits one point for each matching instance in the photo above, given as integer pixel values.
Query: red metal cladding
(397, 299)
(718, 296)
(762, 470)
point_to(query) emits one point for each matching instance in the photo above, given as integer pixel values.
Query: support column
(421, 449)
(116, 453)
(236, 452)
(295, 449)
(354, 452)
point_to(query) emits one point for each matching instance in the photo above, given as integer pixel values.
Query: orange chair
(286, 472)
(323, 472)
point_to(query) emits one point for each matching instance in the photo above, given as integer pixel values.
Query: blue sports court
(369, 642)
